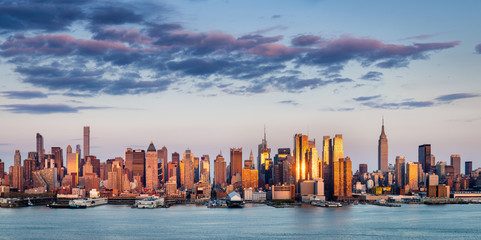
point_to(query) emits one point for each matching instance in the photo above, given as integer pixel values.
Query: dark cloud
(110, 15)
(456, 96)
(366, 98)
(369, 51)
(305, 40)
(372, 76)
(276, 16)
(24, 94)
(39, 108)
(400, 105)
(478, 48)
(122, 35)
(42, 15)
(289, 102)
(123, 87)
(197, 66)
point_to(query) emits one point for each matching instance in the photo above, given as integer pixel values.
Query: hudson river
(251, 222)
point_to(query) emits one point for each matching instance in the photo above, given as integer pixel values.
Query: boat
(149, 203)
(234, 200)
(84, 203)
(327, 204)
(217, 204)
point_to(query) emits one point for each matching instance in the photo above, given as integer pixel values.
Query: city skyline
(207, 75)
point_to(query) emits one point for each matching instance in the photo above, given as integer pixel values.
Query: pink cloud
(273, 50)
(59, 45)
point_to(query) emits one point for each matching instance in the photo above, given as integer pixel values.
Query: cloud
(345, 109)
(305, 40)
(372, 76)
(455, 96)
(422, 36)
(366, 98)
(24, 94)
(289, 102)
(478, 48)
(26, 15)
(369, 51)
(59, 45)
(44, 108)
(400, 105)
(111, 15)
(131, 36)
(276, 16)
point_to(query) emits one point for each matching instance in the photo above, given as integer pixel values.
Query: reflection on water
(252, 222)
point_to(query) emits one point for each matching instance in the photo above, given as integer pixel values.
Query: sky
(209, 75)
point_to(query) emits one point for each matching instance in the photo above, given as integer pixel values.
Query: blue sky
(207, 75)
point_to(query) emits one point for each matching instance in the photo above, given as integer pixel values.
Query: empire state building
(382, 157)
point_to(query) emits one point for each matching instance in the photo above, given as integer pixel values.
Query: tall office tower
(78, 149)
(138, 168)
(57, 152)
(312, 161)
(95, 164)
(249, 163)
(220, 171)
(28, 168)
(300, 150)
(412, 176)
(17, 158)
(468, 167)
(400, 169)
(40, 151)
(441, 169)
(151, 168)
(162, 155)
(86, 141)
(235, 164)
(382, 152)
(129, 163)
(326, 167)
(263, 158)
(205, 168)
(425, 157)
(337, 152)
(347, 175)
(196, 170)
(363, 168)
(176, 161)
(188, 171)
(456, 163)
(34, 157)
(2, 170)
(250, 177)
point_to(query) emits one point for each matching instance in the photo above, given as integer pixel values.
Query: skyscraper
(362, 168)
(73, 163)
(57, 152)
(151, 168)
(326, 161)
(337, 152)
(456, 163)
(400, 169)
(220, 171)
(205, 168)
(425, 157)
(235, 164)
(86, 141)
(300, 153)
(17, 158)
(40, 151)
(138, 168)
(196, 170)
(412, 176)
(162, 155)
(263, 160)
(188, 169)
(382, 153)
(2, 169)
(468, 167)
